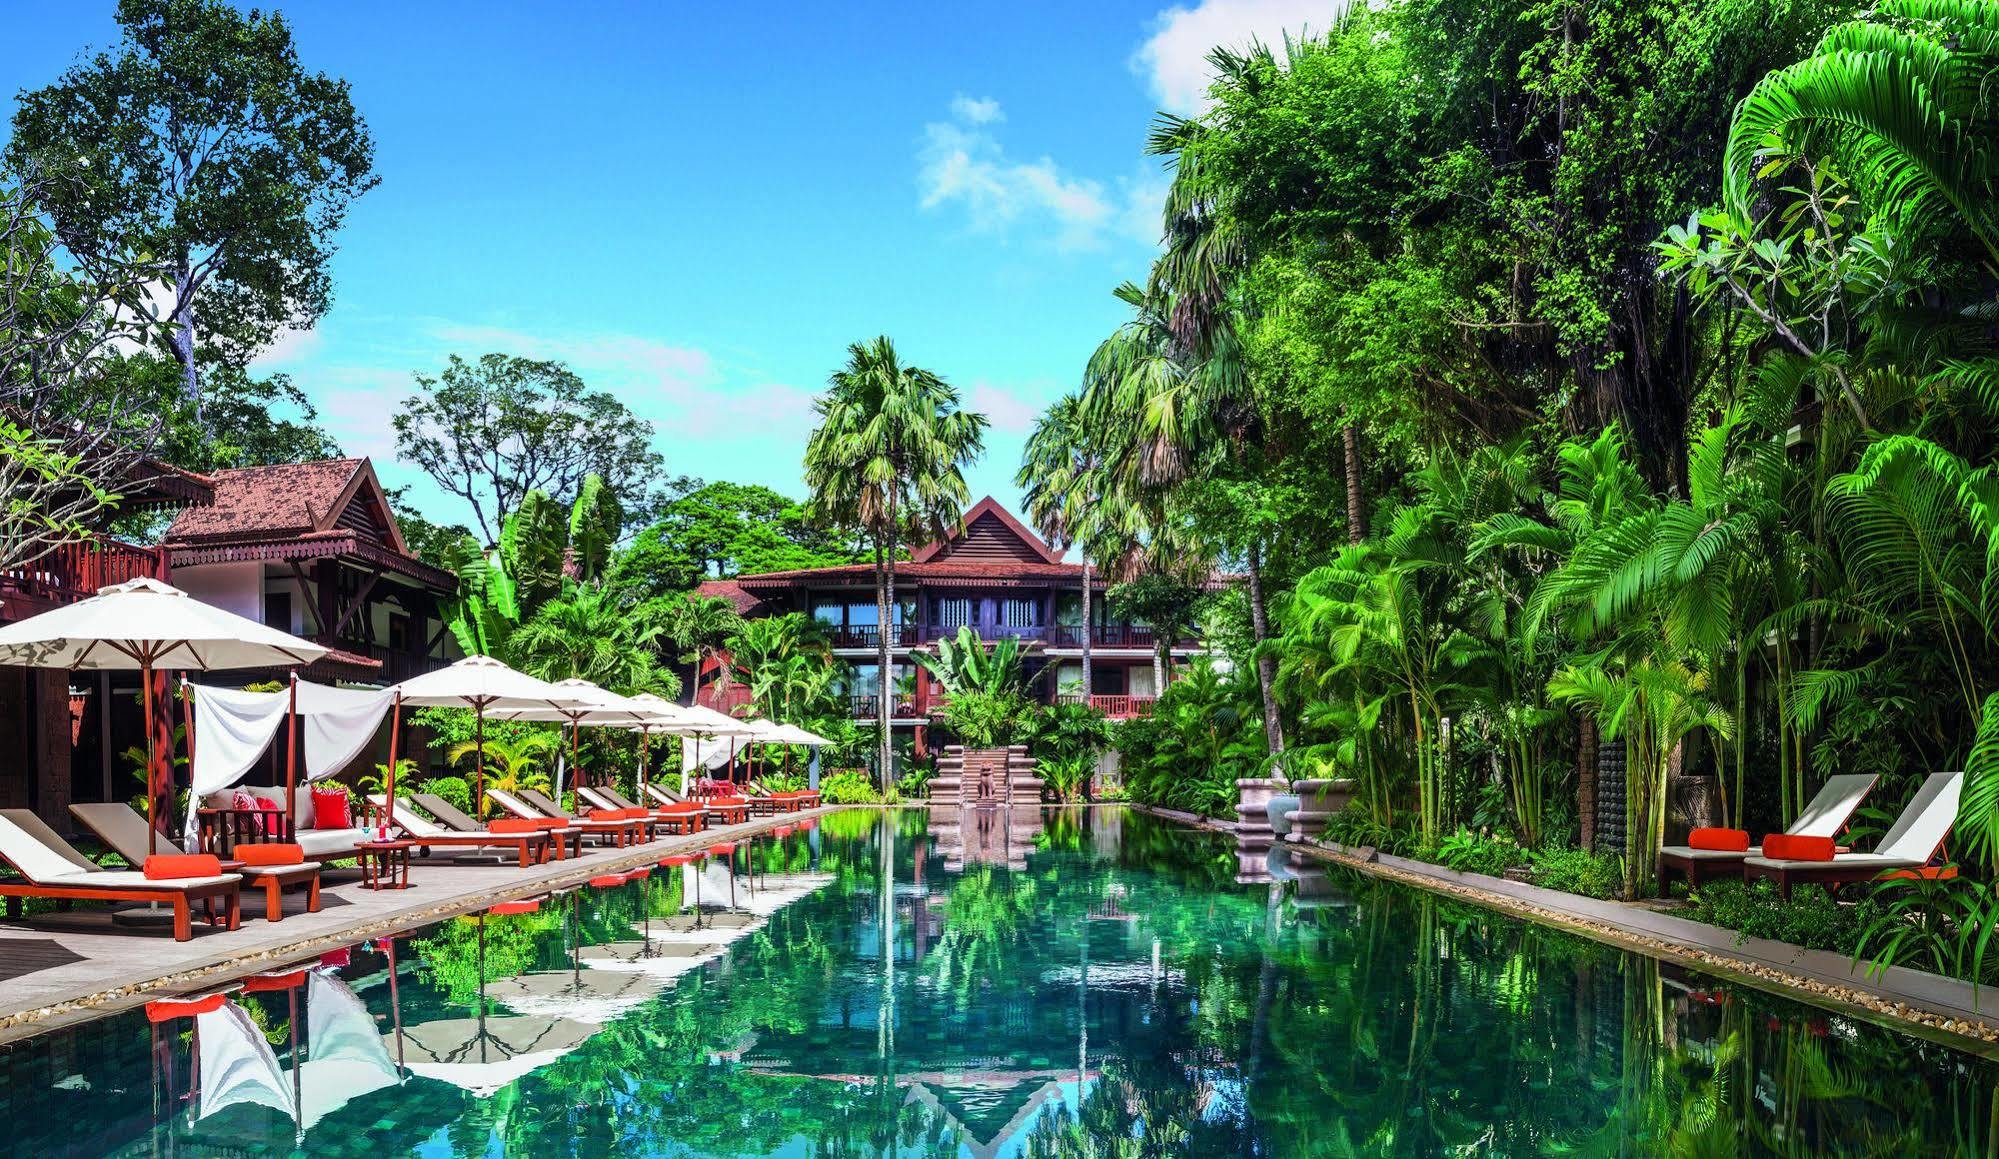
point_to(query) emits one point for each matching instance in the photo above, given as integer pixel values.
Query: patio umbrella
(146, 625)
(703, 723)
(663, 716)
(483, 685)
(586, 703)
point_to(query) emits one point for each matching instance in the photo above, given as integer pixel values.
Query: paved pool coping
(112, 970)
(1960, 1014)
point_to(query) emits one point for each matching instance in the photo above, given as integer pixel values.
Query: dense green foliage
(1574, 379)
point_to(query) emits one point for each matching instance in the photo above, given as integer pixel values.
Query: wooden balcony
(75, 571)
(1117, 707)
(725, 699)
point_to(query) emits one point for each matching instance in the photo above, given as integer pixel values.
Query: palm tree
(1073, 499)
(511, 765)
(888, 459)
(588, 633)
(700, 626)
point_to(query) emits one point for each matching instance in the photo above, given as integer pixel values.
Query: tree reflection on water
(1068, 982)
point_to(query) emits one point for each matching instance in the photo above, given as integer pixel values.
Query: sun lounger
(625, 830)
(1824, 816)
(521, 807)
(119, 826)
(1916, 838)
(427, 835)
(790, 800)
(54, 869)
(677, 820)
(451, 817)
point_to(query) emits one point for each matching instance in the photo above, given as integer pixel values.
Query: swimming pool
(1025, 983)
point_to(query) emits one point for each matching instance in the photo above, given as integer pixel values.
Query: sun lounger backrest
(540, 800)
(119, 826)
(36, 850)
(662, 794)
(1827, 812)
(514, 805)
(412, 822)
(619, 800)
(446, 812)
(598, 798)
(1926, 820)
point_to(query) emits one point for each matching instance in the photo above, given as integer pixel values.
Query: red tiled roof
(729, 590)
(939, 570)
(263, 502)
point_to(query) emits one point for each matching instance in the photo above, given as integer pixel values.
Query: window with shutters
(1017, 613)
(954, 613)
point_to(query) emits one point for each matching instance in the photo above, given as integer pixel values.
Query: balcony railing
(1054, 635)
(867, 706)
(75, 571)
(1117, 707)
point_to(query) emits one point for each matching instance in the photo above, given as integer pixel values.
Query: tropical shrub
(1203, 734)
(1812, 918)
(456, 791)
(1060, 730)
(1578, 871)
(914, 783)
(1468, 851)
(1068, 777)
(984, 719)
(848, 787)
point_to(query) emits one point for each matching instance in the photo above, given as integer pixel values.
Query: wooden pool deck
(61, 968)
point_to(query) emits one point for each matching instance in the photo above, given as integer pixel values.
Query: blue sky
(699, 206)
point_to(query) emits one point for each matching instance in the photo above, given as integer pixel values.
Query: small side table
(385, 864)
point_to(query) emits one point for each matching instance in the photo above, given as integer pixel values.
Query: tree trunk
(1356, 519)
(1089, 630)
(1159, 661)
(1266, 668)
(182, 335)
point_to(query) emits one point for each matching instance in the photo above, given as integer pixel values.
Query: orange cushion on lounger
(683, 807)
(1787, 847)
(269, 853)
(513, 825)
(1725, 840)
(162, 866)
(551, 822)
(168, 1009)
(331, 809)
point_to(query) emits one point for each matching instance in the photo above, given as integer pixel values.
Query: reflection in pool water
(1024, 983)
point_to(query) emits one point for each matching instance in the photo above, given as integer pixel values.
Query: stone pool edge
(91, 1003)
(1944, 1010)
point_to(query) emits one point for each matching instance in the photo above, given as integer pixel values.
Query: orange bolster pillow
(607, 880)
(683, 807)
(506, 908)
(727, 802)
(168, 1009)
(270, 854)
(550, 822)
(622, 815)
(512, 825)
(164, 866)
(1726, 840)
(1785, 847)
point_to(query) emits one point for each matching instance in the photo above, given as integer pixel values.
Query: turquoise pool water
(1040, 983)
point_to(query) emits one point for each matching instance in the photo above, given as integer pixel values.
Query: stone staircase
(985, 777)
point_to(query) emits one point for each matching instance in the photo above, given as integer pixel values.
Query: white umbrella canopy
(792, 734)
(706, 722)
(483, 685)
(145, 625)
(485, 1055)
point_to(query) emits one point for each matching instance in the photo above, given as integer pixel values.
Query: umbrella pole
(152, 781)
(645, 739)
(395, 758)
(291, 758)
(575, 766)
(187, 730)
(479, 767)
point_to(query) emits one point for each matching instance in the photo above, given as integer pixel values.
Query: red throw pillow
(331, 809)
(1785, 847)
(1726, 840)
(269, 853)
(168, 1009)
(513, 825)
(608, 880)
(166, 866)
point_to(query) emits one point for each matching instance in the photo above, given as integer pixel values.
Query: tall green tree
(492, 431)
(888, 459)
(202, 139)
(701, 627)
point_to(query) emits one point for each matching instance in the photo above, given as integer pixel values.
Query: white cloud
(1007, 410)
(1174, 60)
(289, 347)
(976, 110)
(963, 165)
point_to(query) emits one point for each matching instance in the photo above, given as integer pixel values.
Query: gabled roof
(730, 590)
(290, 500)
(989, 531)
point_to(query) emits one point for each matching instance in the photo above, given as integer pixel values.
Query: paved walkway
(61, 968)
